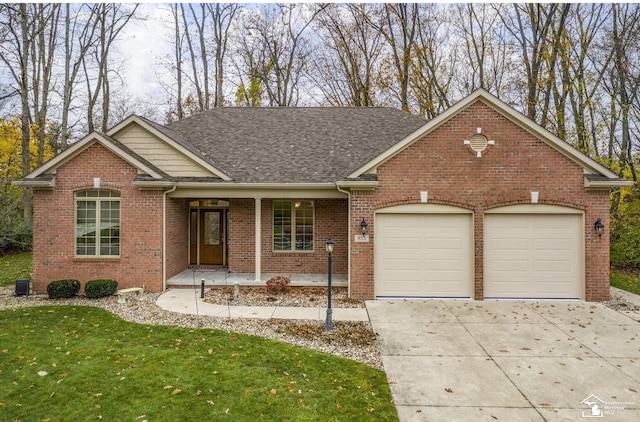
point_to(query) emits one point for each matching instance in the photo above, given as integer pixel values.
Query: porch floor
(193, 277)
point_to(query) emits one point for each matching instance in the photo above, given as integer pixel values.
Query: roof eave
(35, 183)
(357, 184)
(607, 184)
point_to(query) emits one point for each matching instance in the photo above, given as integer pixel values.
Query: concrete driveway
(509, 360)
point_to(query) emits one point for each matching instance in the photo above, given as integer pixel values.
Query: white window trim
(293, 226)
(98, 200)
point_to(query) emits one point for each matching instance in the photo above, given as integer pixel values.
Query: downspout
(349, 237)
(164, 237)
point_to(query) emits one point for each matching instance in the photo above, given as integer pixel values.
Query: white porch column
(258, 247)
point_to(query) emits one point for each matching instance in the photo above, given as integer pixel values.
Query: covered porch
(223, 277)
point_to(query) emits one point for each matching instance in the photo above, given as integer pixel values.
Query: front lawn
(13, 267)
(68, 363)
(625, 281)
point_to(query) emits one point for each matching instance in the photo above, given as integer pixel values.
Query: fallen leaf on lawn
(199, 392)
(273, 391)
(166, 387)
(97, 395)
(43, 373)
(338, 406)
(209, 402)
(52, 394)
(227, 411)
(97, 406)
(176, 391)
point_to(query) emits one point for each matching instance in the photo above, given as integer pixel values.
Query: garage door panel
(510, 266)
(442, 243)
(533, 256)
(423, 255)
(554, 266)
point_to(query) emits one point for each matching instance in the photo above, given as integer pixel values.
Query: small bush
(63, 289)
(278, 285)
(100, 288)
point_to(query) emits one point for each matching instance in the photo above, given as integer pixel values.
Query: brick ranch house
(479, 202)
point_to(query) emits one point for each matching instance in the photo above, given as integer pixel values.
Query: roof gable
(589, 165)
(106, 141)
(165, 148)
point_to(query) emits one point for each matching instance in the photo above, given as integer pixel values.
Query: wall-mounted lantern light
(363, 226)
(599, 227)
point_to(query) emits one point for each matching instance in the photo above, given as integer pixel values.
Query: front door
(211, 237)
(207, 237)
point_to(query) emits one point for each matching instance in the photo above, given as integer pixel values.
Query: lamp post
(328, 325)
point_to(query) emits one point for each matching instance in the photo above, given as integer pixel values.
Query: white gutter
(349, 241)
(164, 237)
(258, 235)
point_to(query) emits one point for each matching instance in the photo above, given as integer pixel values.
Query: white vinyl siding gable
(159, 153)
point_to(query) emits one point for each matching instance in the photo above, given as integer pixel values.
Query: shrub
(278, 285)
(100, 288)
(63, 289)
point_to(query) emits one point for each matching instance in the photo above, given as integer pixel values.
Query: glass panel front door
(211, 237)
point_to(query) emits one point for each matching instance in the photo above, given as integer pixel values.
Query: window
(293, 226)
(98, 223)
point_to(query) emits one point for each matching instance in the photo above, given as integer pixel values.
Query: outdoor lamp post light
(328, 325)
(599, 227)
(363, 226)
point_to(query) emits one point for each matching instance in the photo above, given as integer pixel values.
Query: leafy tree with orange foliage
(15, 231)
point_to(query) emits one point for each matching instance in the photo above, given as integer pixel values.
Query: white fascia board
(607, 184)
(247, 190)
(83, 145)
(39, 184)
(135, 119)
(357, 184)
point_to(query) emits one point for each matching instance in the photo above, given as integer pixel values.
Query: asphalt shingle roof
(293, 145)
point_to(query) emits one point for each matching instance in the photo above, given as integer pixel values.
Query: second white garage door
(533, 256)
(423, 255)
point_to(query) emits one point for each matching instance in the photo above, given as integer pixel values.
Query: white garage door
(423, 255)
(533, 256)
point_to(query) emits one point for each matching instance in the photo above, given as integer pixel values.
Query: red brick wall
(177, 236)
(506, 173)
(331, 216)
(140, 261)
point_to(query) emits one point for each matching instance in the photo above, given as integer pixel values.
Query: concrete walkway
(187, 301)
(509, 360)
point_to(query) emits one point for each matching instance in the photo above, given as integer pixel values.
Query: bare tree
(222, 16)
(80, 26)
(42, 55)
(399, 27)
(537, 28)
(111, 20)
(433, 68)
(275, 49)
(625, 75)
(346, 67)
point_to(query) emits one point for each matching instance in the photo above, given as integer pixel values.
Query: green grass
(625, 281)
(13, 267)
(71, 363)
